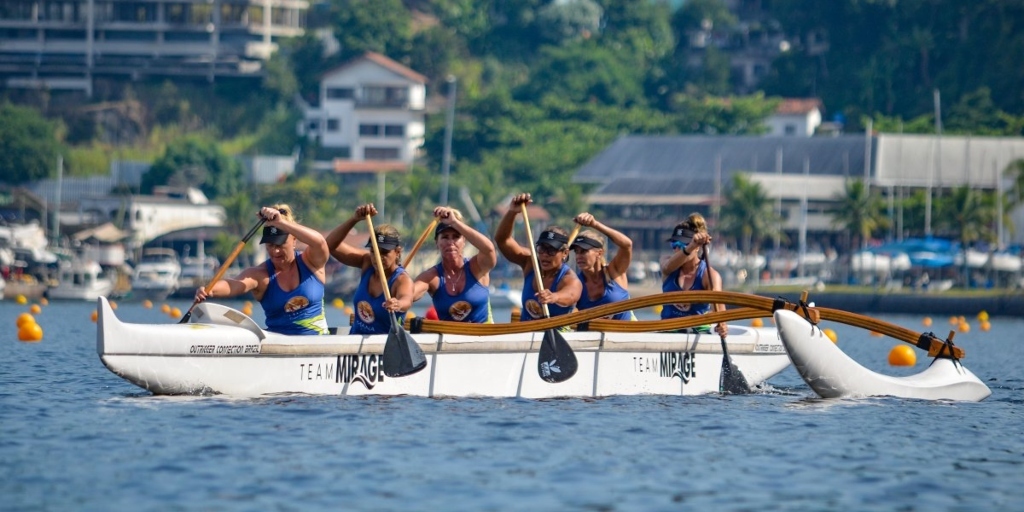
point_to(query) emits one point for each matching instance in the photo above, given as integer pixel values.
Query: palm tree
(967, 215)
(859, 212)
(748, 213)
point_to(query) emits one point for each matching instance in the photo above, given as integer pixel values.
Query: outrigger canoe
(833, 374)
(223, 351)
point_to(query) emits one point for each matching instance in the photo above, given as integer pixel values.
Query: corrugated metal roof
(684, 157)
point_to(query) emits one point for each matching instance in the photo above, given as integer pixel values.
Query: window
(790, 129)
(339, 93)
(369, 130)
(380, 153)
(394, 130)
(333, 125)
(313, 125)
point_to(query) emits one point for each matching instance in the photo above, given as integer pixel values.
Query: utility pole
(446, 158)
(938, 163)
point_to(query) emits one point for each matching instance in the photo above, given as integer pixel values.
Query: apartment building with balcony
(64, 44)
(370, 116)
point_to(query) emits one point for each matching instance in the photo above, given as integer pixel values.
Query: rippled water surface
(74, 436)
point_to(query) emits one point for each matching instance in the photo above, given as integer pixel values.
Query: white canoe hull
(833, 374)
(229, 354)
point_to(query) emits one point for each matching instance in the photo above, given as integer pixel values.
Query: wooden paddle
(224, 266)
(402, 355)
(556, 361)
(731, 381)
(423, 238)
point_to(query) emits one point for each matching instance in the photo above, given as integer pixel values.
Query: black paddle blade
(402, 355)
(732, 381)
(556, 361)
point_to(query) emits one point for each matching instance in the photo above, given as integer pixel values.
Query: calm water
(73, 436)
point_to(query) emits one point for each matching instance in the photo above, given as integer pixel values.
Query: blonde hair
(285, 211)
(696, 222)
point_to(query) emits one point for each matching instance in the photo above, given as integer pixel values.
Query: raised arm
(316, 252)
(677, 258)
(619, 263)
(345, 253)
(509, 248)
(427, 281)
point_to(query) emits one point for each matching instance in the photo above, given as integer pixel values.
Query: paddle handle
(423, 238)
(575, 232)
(376, 258)
(538, 283)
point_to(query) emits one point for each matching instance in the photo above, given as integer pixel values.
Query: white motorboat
(81, 280)
(833, 374)
(157, 274)
(223, 351)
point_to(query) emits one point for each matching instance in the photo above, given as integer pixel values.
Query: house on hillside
(795, 117)
(369, 116)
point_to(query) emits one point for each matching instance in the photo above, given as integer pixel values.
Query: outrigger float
(223, 351)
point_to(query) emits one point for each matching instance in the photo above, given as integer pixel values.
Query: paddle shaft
(423, 238)
(224, 266)
(538, 282)
(376, 258)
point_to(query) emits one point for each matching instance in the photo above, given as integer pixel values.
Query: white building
(147, 217)
(370, 116)
(795, 118)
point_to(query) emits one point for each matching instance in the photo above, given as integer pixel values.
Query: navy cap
(553, 239)
(273, 235)
(584, 242)
(682, 234)
(385, 242)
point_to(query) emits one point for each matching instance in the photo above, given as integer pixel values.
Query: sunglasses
(676, 244)
(547, 250)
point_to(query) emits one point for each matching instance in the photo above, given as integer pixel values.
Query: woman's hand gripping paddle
(224, 266)
(556, 361)
(402, 355)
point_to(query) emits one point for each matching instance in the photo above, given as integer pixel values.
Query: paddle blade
(402, 355)
(732, 381)
(556, 361)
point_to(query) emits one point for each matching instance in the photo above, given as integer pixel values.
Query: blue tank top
(300, 311)
(671, 284)
(472, 305)
(613, 292)
(371, 317)
(533, 310)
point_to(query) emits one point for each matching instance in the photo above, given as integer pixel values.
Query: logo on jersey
(460, 310)
(365, 312)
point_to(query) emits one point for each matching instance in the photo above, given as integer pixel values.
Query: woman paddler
(562, 287)
(371, 304)
(289, 285)
(602, 283)
(458, 285)
(687, 269)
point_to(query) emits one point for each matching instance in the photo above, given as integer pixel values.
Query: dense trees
(28, 145)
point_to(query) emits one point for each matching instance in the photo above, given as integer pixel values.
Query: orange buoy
(247, 311)
(113, 305)
(20, 299)
(927, 321)
(348, 310)
(902, 355)
(985, 326)
(44, 301)
(95, 315)
(831, 335)
(658, 309)
(30, 332)
(756, 322)
(248, 304)
(147, 304)
(175, 312)
(338, 303)
(953, 320)
(25, 318)
(35, 309)
(983, 316)
(964, 327)
(165, 309)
